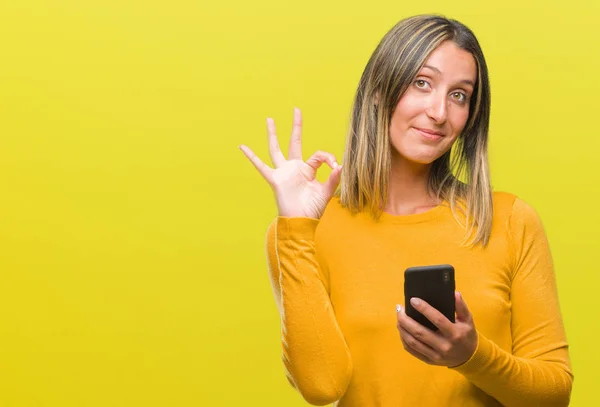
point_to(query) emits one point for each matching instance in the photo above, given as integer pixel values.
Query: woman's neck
(408, 191)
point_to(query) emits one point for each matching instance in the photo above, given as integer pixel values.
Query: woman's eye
(420, 83)
(458, 96)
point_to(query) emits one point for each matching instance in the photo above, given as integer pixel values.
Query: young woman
(414, 190)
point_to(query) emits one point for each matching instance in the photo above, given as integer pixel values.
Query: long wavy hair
(459, 177)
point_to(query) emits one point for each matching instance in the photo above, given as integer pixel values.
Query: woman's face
(434, 110)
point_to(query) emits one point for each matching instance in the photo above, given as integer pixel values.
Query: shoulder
(334, 208)
(514, 211)
(335, 221)
(333, 215)
(503, 202)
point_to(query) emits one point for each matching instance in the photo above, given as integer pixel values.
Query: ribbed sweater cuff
(480, 358)
(296, 228)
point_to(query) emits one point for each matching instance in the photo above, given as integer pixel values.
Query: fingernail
(335, 164)
(415, 302)
(398, 308)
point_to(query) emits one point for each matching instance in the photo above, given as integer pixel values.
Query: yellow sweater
(337, 281)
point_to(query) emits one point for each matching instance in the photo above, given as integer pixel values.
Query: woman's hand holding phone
(452, 345)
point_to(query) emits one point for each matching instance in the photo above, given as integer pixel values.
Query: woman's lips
(429, 134)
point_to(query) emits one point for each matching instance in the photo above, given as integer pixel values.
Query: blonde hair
(367, 157)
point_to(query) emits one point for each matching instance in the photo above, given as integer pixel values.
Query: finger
(320, 157)
(263, 168)
(462, 311)
(415, 353)
(437, 318)
(295, 150)
(333, 181)
(418, 331)
(413, 344)
(277, 157)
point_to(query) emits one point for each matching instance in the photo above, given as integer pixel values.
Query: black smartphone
(434, 284)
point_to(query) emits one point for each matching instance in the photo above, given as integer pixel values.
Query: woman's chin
(419, 158)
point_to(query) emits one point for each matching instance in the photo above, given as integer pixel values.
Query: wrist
(471, 348)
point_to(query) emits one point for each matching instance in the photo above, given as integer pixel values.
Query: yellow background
(132, 267)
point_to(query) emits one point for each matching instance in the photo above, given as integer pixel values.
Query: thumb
(334, 179)
(462, 311)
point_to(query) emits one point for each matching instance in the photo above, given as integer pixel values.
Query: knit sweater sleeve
(537, 372)
(314, 352)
